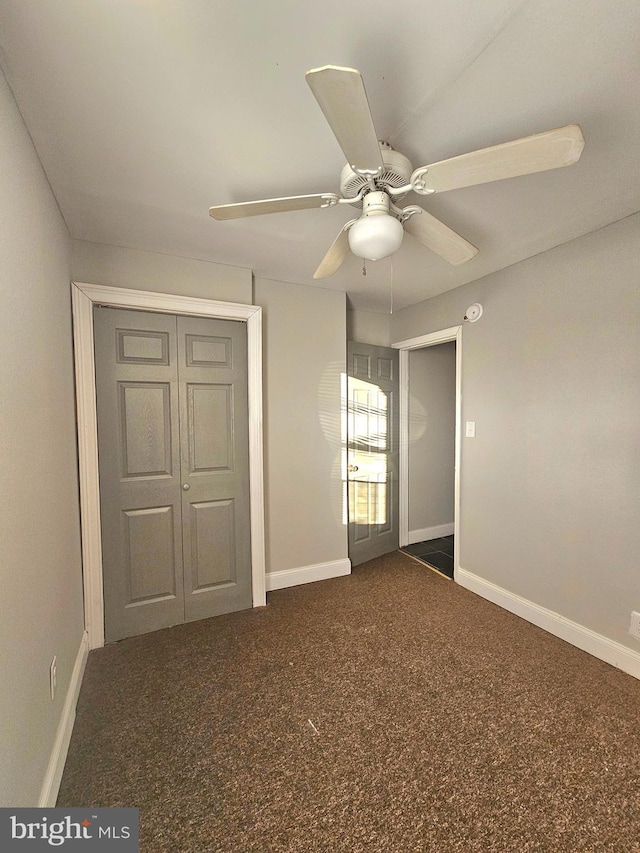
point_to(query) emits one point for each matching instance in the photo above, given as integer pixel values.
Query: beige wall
(366, 327)
(304, 358)
(549, 487)
(40, 575)
(95, 263)
(432, 423)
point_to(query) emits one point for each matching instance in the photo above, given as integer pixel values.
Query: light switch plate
(471, 429)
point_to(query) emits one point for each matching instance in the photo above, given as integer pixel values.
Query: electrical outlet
(53, 677)
(634, 627)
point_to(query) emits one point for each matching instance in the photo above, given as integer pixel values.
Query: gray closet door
(173, 461)
(372, 451)
(212, 355)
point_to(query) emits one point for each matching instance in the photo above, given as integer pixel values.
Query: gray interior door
(372, 456)
(173, 465)
(216, 536)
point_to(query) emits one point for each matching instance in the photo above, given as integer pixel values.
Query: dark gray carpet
(390, 710)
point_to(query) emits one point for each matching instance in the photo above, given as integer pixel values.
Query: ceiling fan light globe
(375, 237)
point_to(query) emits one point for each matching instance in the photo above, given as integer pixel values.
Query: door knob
(352, 469)
(186, 487)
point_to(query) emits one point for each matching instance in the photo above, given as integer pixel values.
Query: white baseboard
(53, 777)
(430, 533)
(308, 574)
(583, 638)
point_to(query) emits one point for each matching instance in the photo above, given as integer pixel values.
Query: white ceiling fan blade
(441, 239)
(342, 98)
(272, 205)
(548, 150)
(338, 251)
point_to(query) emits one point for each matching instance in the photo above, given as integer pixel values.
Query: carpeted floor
(390, 710)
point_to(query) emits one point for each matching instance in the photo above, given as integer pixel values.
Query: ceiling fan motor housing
(397, 173)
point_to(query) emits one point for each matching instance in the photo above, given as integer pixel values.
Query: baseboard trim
(583, 638)
(425, 533)
(53, 777)
(308, 574)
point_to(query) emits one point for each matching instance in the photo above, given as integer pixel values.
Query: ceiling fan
(376, 177)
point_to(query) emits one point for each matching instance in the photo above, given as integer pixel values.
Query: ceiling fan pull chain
(364, 267)
(391, 296)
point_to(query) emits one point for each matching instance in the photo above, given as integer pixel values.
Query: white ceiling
(146, 112)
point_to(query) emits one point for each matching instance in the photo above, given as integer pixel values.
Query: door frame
(83, 298)
(454, 333)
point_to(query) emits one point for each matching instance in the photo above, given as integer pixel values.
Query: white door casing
(84, 297)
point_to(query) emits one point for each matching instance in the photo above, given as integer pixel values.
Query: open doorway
(430, 370)
(431, 451)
